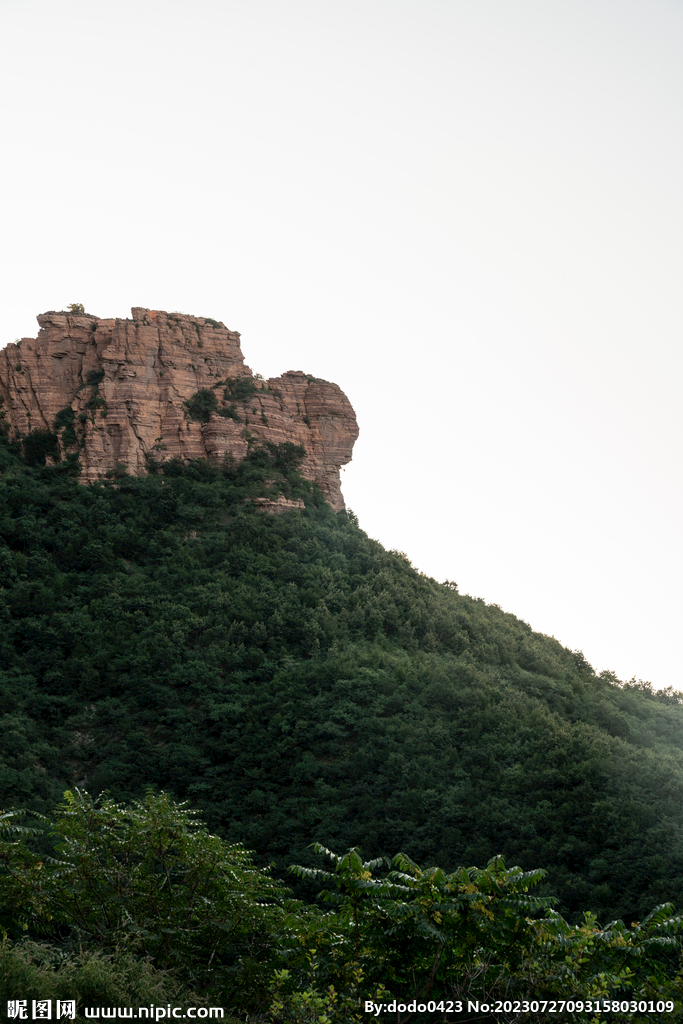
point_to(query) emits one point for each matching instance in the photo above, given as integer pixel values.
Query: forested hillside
(296, 682)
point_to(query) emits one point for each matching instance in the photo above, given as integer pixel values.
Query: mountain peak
(165, 385)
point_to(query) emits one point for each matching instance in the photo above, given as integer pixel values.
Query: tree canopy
(295, 681)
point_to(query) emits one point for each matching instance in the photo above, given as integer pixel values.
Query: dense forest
(297, 683)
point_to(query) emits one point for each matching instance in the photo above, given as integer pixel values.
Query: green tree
(419, 935)
(412, 930)
(239, 389)
(40, 445)
(149, 879)
(201, 405)
(293, 679)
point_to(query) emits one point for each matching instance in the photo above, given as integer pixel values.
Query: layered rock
(118, 389)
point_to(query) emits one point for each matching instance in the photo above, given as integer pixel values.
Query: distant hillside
(297, 682)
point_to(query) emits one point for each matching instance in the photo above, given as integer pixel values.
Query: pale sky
(467, 213)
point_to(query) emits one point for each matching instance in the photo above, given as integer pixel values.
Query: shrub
(64, 421)
(118, 473)
(42, 971)
(149, 878)
(239, 389)
(201, 405)
(40, 445)
(64, 418)
(287, 455)
(230, 413)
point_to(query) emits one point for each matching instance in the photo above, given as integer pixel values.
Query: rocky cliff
(166, 385)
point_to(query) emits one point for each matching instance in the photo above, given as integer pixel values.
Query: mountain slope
(297, 682)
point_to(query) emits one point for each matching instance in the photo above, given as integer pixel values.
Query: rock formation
(166, 385)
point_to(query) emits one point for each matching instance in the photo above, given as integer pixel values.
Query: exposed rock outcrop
(116, 391)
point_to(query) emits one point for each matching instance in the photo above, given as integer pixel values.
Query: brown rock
(277, 505)
(126, 382)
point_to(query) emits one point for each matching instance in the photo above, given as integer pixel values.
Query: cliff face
(117, 390)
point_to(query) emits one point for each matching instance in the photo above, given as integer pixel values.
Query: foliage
(38, 970)
(148, 879)
(229, 412)
(418, 932)
(40, 445)
(291, 678)
(204, 403)
(13, 912)
(141, 904)
(418, 935)
(64, 418)
(201, 405)
(239, 389)
(285, 456)
(76, 307)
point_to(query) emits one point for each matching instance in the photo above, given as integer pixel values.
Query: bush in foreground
(140, 904)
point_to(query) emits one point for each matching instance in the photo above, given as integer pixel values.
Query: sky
(467, 213)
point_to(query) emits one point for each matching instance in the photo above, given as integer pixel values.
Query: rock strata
(166, 385)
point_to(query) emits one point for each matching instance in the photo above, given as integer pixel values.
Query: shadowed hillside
(297, 682)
